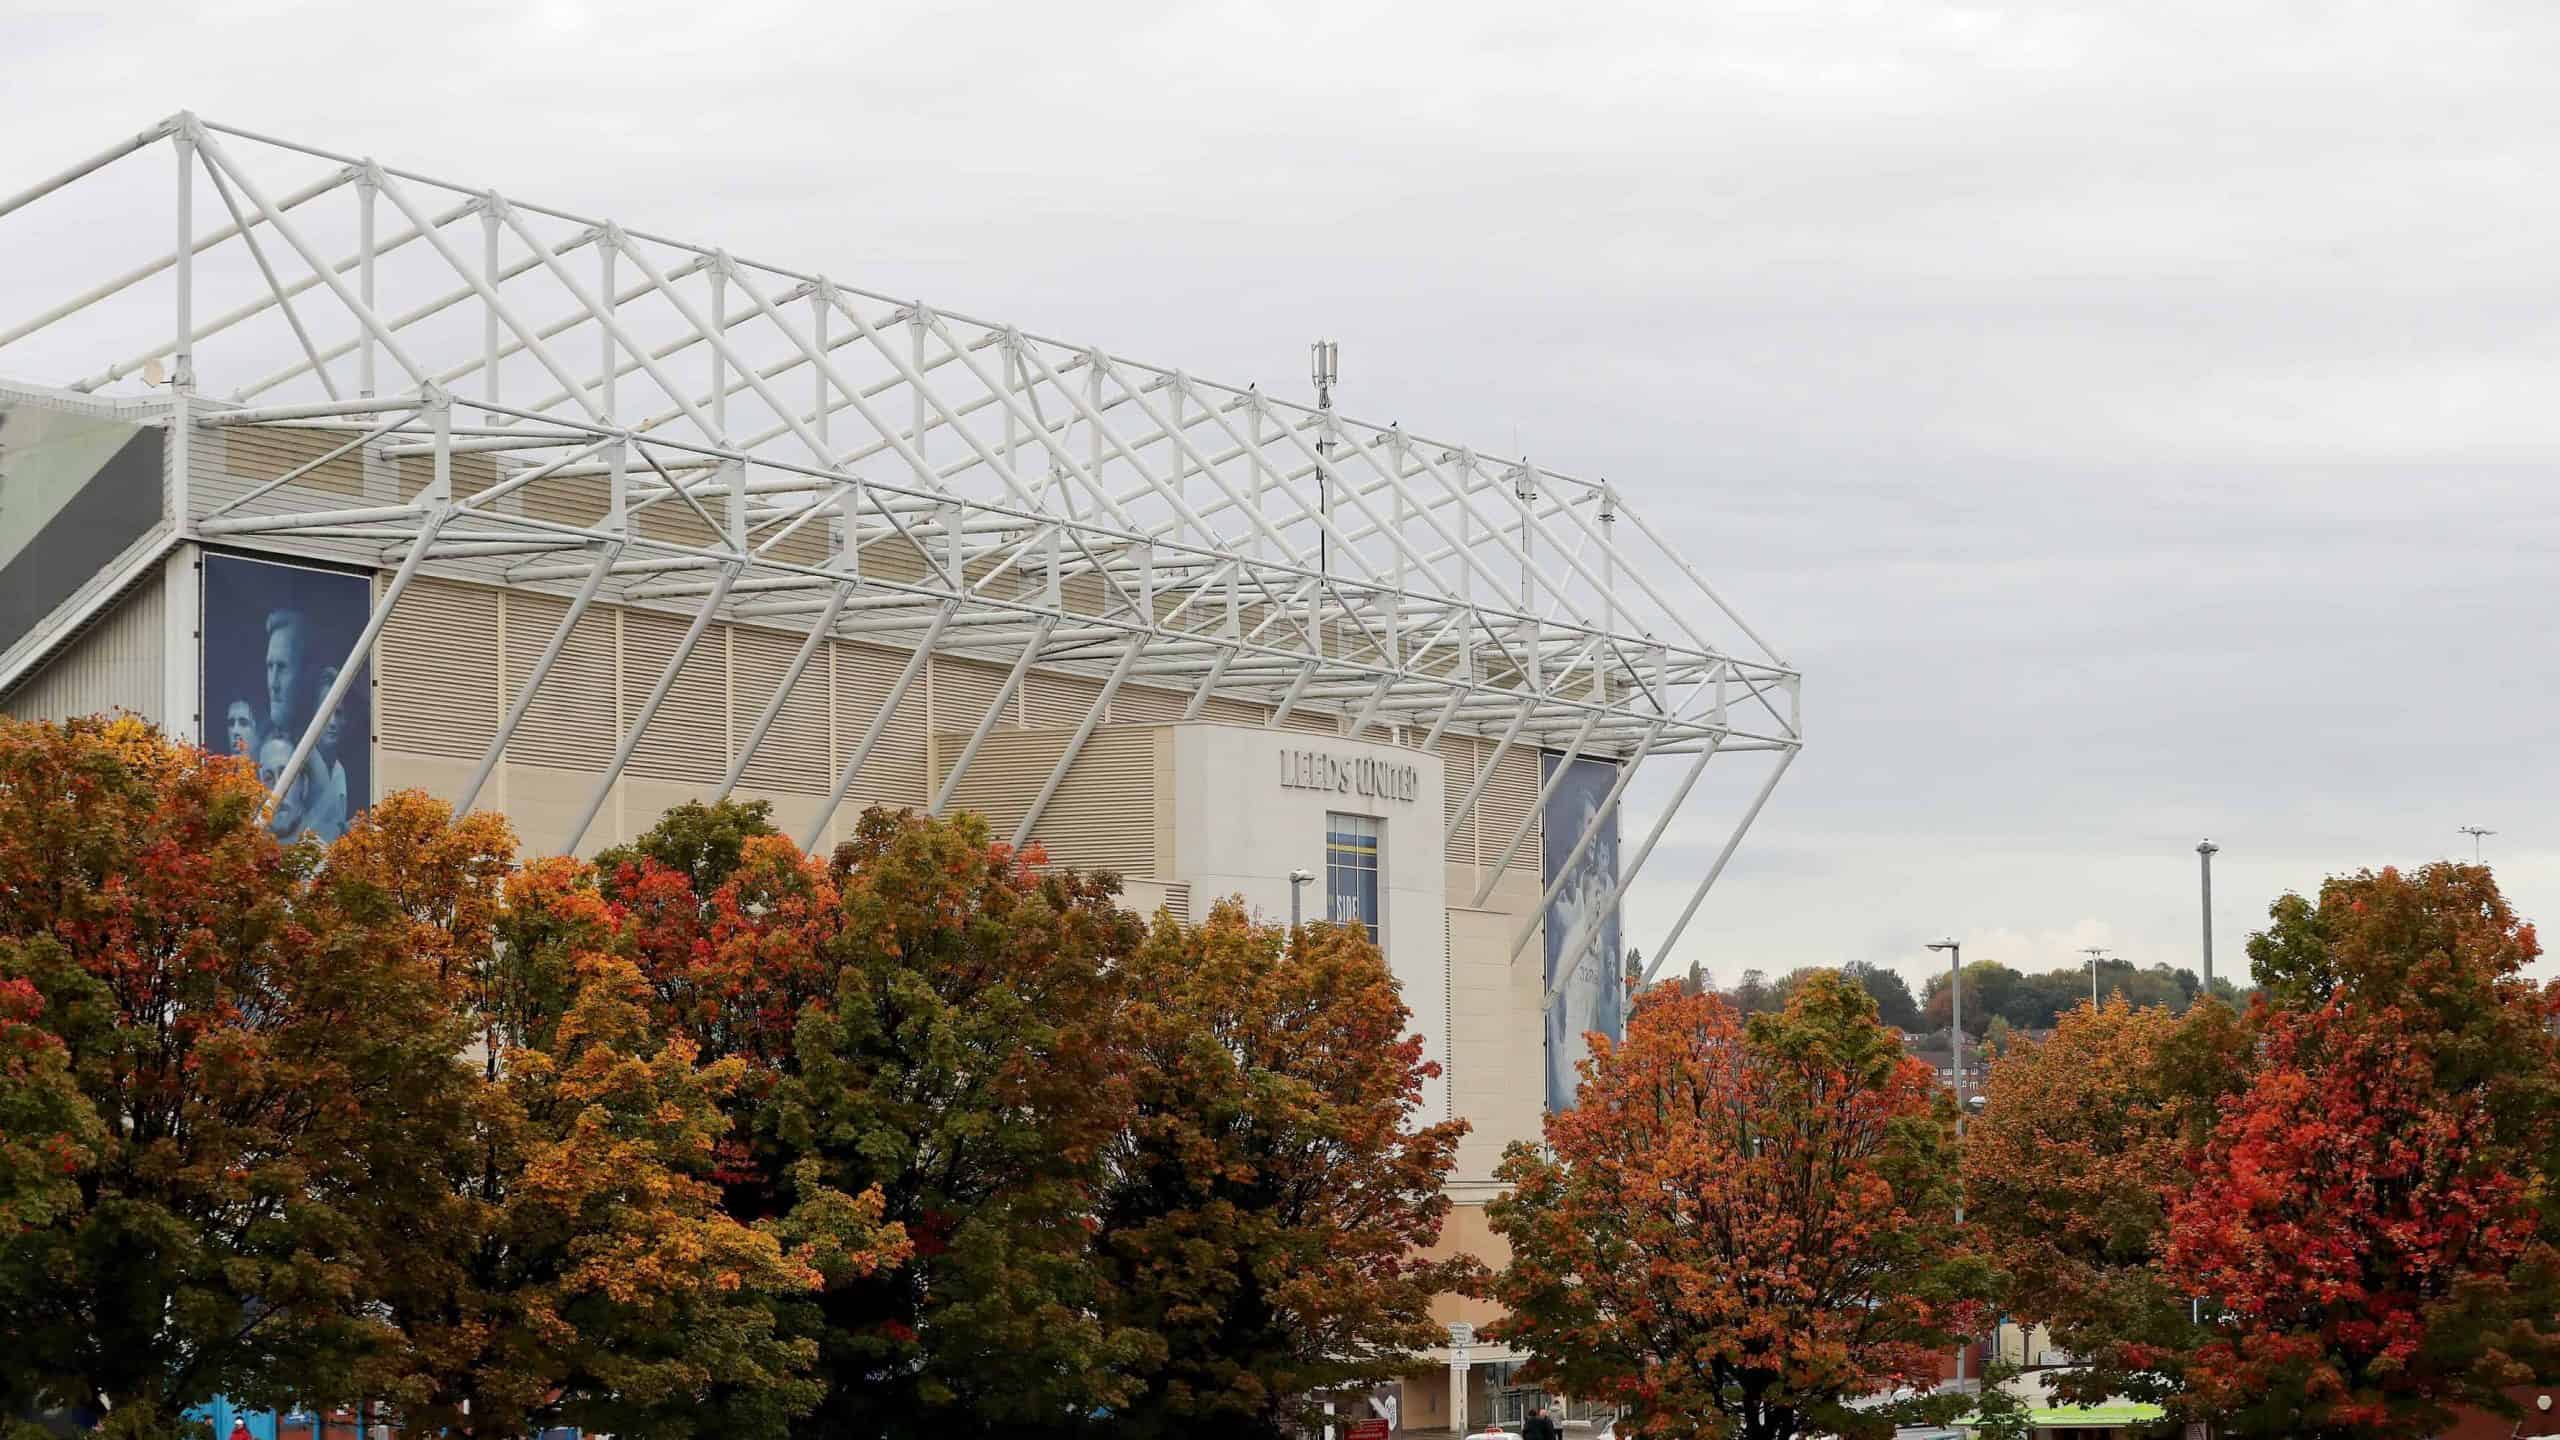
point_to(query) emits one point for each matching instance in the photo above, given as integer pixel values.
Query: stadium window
(1351, 870)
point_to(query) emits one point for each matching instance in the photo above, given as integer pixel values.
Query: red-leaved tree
(2371, 1245)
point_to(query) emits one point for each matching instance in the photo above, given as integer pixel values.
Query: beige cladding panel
(1463, 755)
(1140, 703)
(255, 454)
(442, 776)
(260, 453)
(1059, 700)
(115, 665)
(795, 755)
(578, 500)
(1004, 776)
(894, 774)
(963, 692)
(573, 721)
(1510, 798)
(673, 522)
(1103, 816)
(688, 737)
(1226, 711)
(436, 683)
(1497, 1045)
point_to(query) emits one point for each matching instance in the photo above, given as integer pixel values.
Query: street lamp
(2475, 832)
(2094, 952)
(1955, 1053)
(1299, 880)
(1955, 1025)
(2205, 851)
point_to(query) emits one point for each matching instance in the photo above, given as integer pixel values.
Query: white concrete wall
(1239, 830)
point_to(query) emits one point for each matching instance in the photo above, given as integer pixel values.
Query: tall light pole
(2095, 953)
(1955, 1025)
(1299, 880)
(2205, 851)
(2475, 832)
(1955, 1043)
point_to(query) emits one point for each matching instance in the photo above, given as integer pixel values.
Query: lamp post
(2475, 832)
(2095, 953)
(1955, 1024)
(2205, 851)
(1299, 880)
(1955, 1055)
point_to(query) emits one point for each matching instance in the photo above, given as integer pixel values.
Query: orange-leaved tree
(1743, 1229)
(1271, 1191)
(2083, 1143)
(237, 1042)
(546, 1242)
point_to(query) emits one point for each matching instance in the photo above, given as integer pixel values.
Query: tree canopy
(1266, 1209)
(709, 1137)
(1744, 1226)
(2351, 1184)
(211, 1039)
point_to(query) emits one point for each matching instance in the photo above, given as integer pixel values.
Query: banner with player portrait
(1581, 925)
(274, 637)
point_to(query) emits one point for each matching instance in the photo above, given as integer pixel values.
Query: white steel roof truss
(1173, 531)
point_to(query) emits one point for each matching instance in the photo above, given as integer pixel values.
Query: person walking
(1539, 1427)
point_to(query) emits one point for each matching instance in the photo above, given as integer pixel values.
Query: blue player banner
(1581, 925)
(274, 637)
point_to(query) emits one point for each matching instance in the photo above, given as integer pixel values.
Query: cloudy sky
(2135, 418)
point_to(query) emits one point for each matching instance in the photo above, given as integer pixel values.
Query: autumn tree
(546, 1240)
(1892, 994)
(1989, 989)
(2373, 1215)
(49, 1134)
(926, 1019)
(2085, 1140)
(233, 1045)
(1743, 1229)
(1269, 1195)
(2374, 1254)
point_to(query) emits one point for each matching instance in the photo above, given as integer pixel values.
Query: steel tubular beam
(357, 654)
(541, 670)
(987, 722)
(1571, 959)
(648, 712)
(1606, 813)
(1084, 732)
(879, 723)
(1707, 881)
(819, 630)
(328, 274)
(1484, 776)
(1546, 791)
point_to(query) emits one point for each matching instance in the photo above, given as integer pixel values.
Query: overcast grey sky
(2134, 418)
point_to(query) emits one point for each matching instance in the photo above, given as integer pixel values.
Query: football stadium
(390, 481)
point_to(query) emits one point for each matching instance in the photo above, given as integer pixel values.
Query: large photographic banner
(274, 636)
(1594, 995)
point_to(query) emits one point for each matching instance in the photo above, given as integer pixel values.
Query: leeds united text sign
(1349, 775)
